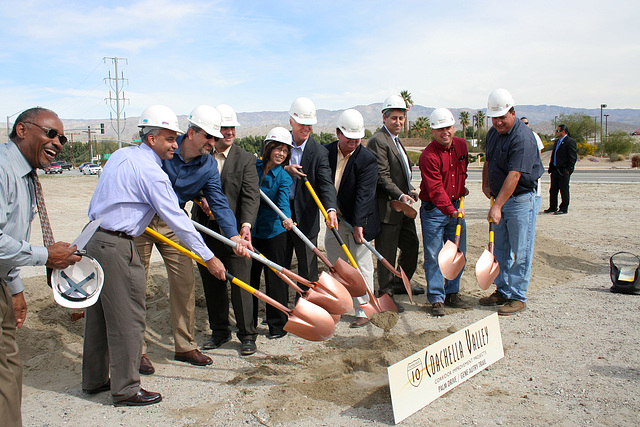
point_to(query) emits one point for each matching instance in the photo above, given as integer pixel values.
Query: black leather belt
(121, 234)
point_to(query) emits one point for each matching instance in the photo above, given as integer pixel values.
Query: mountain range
(259, 123)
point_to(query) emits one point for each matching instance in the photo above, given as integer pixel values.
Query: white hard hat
(159, 116)
(303, 111)
(441, 118)
(228, 115)
(279, 134)
(394, 102)
(206, 118)
(499, 103)
(79, 285)
(351, 124)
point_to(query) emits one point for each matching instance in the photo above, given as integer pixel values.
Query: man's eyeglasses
(51, 133)
(526, 123)
(206, 135)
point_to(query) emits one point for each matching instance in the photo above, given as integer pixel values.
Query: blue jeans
(437, 229)
(514, 239)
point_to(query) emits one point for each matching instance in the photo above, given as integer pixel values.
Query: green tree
(421, 128)
(619, 142)
(482, 117)
(464, 122)
(580, 126)
(367, 134)
(409, 101)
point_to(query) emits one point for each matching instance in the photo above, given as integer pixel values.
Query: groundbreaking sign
(420, 379)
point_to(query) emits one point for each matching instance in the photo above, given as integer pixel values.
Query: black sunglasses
(206, 135)
(51, 133)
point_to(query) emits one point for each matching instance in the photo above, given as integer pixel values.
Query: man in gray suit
(394, 183)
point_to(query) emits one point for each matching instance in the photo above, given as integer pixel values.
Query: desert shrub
(618, 142)
(635, 161)
(615, 157)
(414, 156)
(585, 149)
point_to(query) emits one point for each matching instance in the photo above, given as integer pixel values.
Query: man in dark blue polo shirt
(510, 175)
(191, 171)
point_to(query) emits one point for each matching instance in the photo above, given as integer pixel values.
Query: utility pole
(116, 83)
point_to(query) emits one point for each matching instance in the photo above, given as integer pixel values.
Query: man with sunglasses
(563, 160)
(35, 141)
(191, 171)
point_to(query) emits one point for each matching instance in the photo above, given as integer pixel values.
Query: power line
(116, 83)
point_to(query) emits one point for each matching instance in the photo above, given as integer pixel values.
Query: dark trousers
(307, 260)
(216, 293)
(392, 237)
(559, 183)
(114, 326)
(273, 249)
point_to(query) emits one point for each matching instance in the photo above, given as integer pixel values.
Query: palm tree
(406, 96)
(464, 121)
(481, 119)
(420, 127)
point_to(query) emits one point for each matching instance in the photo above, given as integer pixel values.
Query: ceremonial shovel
(352, 281)
(487, 268)
(306, 320)
(451, 259)
(383, 260)
(327, 292)
(384, 303)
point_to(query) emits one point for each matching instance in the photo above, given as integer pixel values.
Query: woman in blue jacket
(268, 234)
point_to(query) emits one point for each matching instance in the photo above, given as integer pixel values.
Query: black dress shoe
(549, 210)
(215, 342)
(398, 305)
(560, 213)
(105, 387)
(277, 335)
(400, 290)
(141, 398)
(146, 368)
(248, 347)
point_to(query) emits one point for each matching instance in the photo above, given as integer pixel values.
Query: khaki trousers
(10, 364)
(182, 284)
(360, 254)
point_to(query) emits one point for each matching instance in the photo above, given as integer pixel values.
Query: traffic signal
(102, 128)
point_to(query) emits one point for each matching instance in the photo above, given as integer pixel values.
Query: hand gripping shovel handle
(260, 258)
(229, 277)
(373, 250)
(326, 217)
(296, 230)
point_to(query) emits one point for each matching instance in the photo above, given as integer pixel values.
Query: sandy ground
(570, 359)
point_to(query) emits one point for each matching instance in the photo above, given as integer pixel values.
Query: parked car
(64, 165)
(92, 169)
(81, 168)
(53, 169)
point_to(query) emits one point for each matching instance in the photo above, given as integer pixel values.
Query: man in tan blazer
(394, 183)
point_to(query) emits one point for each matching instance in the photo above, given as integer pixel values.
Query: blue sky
(258, 55)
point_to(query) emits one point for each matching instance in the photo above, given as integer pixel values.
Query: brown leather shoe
(437, 310)
(359, 322)
(454, 301)
(141, 398)
(194, 357)
(146, 368)
(513, 306)
(495, 298)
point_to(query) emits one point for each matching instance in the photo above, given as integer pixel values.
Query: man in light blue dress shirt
(131, 190)
(36, 139)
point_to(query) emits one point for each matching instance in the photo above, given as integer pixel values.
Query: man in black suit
(309, 159)
(394, 183)
(355, 173)
(563, 160)
(239, 179)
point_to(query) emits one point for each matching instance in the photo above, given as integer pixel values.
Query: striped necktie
(47, 233)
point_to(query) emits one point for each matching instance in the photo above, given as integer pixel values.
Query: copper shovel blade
(407, 284)
(406, 209)
(353, 280)
(487, 269)
(451, 260)
(310, 322)
(329, 294)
